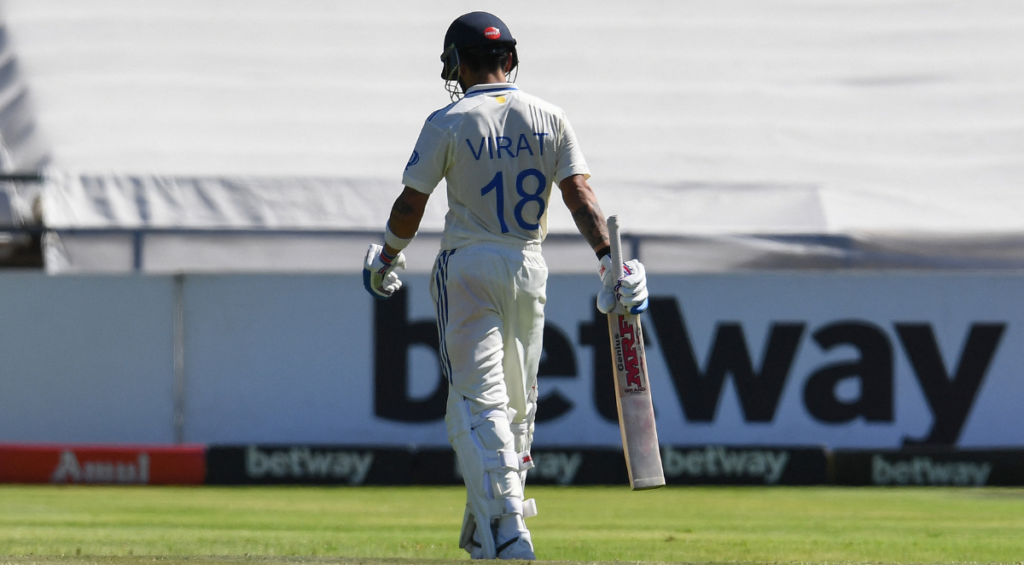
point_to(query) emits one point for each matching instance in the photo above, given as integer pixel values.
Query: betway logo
(69, 470)
(717, 461)
(758, 372)
(558, 466)
(925, 471)
(949, 390)
(302, 462)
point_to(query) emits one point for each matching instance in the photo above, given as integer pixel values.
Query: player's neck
(475, 79)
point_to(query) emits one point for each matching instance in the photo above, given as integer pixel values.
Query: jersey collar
(489, 87)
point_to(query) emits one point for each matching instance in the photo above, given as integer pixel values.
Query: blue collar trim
(483, 89)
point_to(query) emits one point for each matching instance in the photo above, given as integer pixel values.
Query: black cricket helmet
(475, 30)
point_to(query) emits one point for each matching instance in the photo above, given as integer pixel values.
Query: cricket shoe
(519, 547)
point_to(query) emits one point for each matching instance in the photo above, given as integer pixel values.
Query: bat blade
(634, 404)
(633, 390)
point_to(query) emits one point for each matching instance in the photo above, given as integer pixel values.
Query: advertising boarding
(840, 360)
(862, 360)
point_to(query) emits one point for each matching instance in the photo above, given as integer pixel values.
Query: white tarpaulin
(152, 201)
(115, 223)
(895, 123)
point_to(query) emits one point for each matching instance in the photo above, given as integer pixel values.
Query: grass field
(415, 524)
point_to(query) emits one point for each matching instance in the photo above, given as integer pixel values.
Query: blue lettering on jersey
(477, 153)
(415, 158)
(504, 143)
(523, 144)
(497, 144)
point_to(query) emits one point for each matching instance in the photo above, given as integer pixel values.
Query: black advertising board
(552, 466)
(929, 467)
(348, 465)
(353, 465)
(729, 465)
(315, 465)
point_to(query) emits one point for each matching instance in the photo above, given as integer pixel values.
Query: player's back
(500, 150)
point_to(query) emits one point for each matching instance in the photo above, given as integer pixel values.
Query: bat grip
(616, 245)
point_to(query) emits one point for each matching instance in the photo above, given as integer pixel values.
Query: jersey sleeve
(429, 160)
(570, 160)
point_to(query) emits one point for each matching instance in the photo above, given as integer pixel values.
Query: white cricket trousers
(490, 317)
(490, 314)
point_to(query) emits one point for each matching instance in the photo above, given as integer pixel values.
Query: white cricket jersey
(500, 150)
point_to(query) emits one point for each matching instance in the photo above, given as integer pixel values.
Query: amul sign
(102, 464)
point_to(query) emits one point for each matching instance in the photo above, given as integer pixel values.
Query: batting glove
(379, 276)
(630, 291)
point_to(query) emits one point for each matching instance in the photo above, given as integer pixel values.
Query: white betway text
(559, 466)
(718, 461)
(925, 471)
(299, 462)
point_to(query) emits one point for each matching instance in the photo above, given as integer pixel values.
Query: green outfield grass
(411, 524)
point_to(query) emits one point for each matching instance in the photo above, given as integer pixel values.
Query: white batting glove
(606, 300)
(630, 291)
(379, 276)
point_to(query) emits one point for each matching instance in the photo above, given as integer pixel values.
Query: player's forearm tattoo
(591, 223)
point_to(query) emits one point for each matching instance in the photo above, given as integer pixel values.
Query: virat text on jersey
(495, 145)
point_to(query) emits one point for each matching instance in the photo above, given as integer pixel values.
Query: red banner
(103, 464)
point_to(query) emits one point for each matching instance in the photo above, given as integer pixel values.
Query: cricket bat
(632, 389)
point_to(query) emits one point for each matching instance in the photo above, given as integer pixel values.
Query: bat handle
(616, 245)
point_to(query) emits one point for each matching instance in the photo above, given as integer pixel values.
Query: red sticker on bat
(630, 361)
